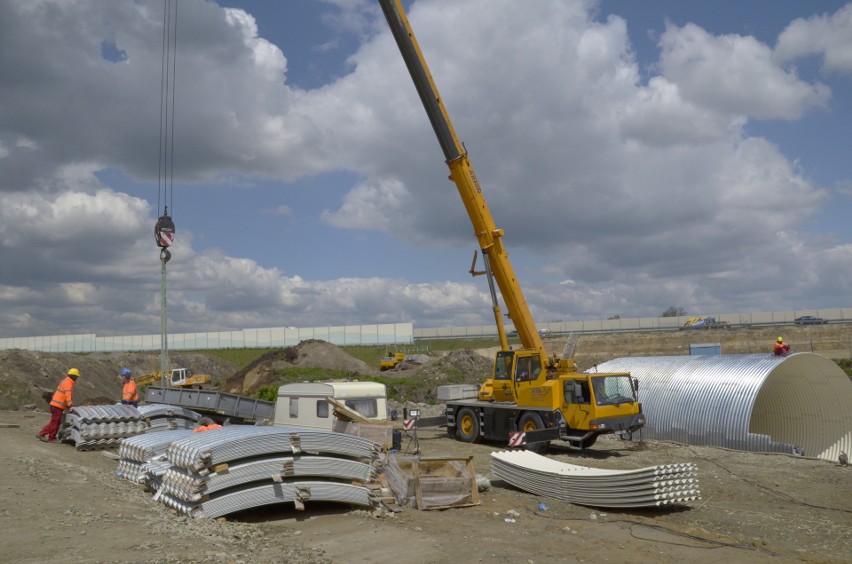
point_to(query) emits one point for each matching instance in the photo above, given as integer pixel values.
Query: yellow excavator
(391, 360)
(177, 378)
(531, 393)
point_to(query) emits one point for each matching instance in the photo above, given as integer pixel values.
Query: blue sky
(638, 156)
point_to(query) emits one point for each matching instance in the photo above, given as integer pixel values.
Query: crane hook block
(165, 255)
(164, 231)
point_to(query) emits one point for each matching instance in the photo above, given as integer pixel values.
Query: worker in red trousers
(62, 400)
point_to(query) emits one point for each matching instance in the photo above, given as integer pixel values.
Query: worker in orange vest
(781, 348)
(62, 400)
(129, 393)
(206, 424)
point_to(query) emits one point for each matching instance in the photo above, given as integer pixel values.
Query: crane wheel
(467, 425)
(531, 421)
(589, 442)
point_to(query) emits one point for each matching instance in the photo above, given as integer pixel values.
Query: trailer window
(294, 408)
(366, 407)
(322, 409)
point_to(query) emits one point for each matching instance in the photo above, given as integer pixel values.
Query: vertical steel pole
(164, 335)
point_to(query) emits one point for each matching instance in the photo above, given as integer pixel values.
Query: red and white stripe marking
(517, 439)
(166, 238)
(409, 424)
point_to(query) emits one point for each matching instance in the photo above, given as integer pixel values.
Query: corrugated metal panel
(654, 486)
(753, 402)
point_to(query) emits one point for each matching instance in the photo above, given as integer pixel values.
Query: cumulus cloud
(644, 193)
(734, 74)
(826, 35)
(369, 205)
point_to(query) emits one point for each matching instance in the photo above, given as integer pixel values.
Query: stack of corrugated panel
(238, 467)
(192, 486)
(654, 486)
(143, 457)
(164, 417)
(101, 426)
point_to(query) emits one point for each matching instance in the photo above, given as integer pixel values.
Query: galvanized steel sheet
(755, 402)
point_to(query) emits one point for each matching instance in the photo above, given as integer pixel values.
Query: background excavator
(177, 377)
(529, 391)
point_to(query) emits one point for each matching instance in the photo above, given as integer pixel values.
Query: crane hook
(164, 230)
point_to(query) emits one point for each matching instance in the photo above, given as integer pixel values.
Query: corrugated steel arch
(753, 402)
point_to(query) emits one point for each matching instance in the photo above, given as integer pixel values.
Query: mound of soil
(29, 378)
(312, 353)
(463, 366)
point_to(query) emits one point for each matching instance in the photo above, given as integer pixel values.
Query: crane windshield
(503, 365)
(613, 389)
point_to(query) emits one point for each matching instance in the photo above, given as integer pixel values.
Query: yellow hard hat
(780, 339)
(73, 372)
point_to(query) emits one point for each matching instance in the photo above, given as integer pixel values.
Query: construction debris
(432, 482)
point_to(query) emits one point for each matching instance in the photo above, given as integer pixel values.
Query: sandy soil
(61, 505)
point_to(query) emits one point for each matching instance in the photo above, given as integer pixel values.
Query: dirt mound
(27, 377)
(260, 372)
(320, 354)
(309, 354)
(419, 385)
(100, 400)
(463, 366)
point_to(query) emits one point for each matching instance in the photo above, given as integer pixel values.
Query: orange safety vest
(130, 392)
(63, 393)
(207, 428)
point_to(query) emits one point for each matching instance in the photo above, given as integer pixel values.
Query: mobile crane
(529, 392)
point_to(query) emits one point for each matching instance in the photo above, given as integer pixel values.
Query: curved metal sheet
(644, 487)
(752, 402)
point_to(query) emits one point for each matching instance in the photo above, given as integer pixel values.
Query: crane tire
(467, 425)
(589, 442)
(531, 421)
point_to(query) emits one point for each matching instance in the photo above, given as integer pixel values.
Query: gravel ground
(61, 505)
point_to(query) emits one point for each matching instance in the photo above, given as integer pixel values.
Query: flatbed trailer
(218, 405)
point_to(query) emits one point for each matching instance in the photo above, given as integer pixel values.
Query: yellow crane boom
(490, 240)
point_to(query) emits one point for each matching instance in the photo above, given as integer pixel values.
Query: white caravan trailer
(303, 404)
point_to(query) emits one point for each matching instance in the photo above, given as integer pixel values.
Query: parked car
(544, 332)
(705, 323)
(810, 320)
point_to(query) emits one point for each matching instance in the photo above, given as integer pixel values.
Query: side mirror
(636, 384)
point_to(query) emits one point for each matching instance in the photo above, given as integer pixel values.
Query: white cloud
(283, 210)
(639, 195)
(734, 74)
(827, 35)
(370, 205)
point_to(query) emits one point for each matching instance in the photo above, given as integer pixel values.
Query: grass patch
(414, 389)
(371, 355)
(845, 364)
(238, 357)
